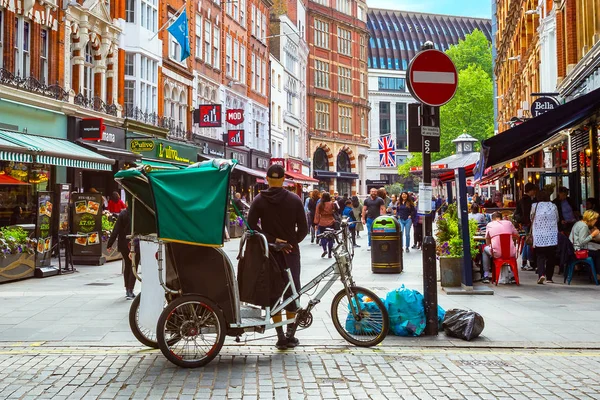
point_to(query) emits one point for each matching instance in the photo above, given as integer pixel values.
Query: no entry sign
(432, 78)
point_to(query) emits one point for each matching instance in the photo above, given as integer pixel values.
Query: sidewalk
(89, 308)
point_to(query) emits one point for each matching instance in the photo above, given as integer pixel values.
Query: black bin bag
(463, 324)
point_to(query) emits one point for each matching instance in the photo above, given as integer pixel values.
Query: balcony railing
(96, 104)
(141, 116)
(32, 85)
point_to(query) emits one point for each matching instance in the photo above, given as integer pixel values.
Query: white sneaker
(368, 248)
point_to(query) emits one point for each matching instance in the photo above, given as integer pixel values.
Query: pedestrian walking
(349, 212)
(373, 207)
(120, 231)
(325, 218)
(282, 220)
(522, 216)
(310, 207)
(115, 204)
(404, 213)
(357, 209)
(544, 217)
(417, 228)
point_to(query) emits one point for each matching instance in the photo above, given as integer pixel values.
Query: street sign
(415, 136)
(542, 105)
(235, 137)
(430, 131)
(432, 77)
(235, 116)
(208, 115)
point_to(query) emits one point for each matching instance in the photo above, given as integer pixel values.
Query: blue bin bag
(407, 312)
(355, 327)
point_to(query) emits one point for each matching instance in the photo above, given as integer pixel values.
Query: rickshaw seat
(279, 246)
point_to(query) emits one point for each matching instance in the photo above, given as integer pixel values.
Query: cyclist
(282, 220)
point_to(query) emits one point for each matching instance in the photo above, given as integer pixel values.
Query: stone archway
(346, 149)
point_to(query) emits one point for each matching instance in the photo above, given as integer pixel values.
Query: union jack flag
(387, 151)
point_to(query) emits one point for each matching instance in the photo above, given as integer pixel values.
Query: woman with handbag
(325, 218)
(583, 235)
(544, 231)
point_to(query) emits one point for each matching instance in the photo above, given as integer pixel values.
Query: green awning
(13, 152)
(59, 152)
(156, 165)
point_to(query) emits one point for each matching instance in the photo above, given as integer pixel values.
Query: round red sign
(432, 78)
(469, 182)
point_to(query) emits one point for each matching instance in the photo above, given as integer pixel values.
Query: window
(321, 74)
(263, 28)
(263, 87)
(198, 36)
(257, 24)
(290, 102)
(130, 11)
(363, 126)
(320, 160)
(253, 19)
(148, 84)
(174, 47)
(323, 2)
(279, 117)
(345, 80)
(290, 61)
(361, 14)
(253, 78)
(235, 14)
(236, 60)
(363, 49)
(243, 13)
(392, 84)
(130, 64)
(257, 75)
(149, 18)
(279, 82)
(362, 85)
(345, 119)
(44, 56)
(344, 6)
(228, 7)
(228, 56)
(321, 116)
(243, 77)
(401, 133)
(344, 42)
(216, 53)
(88, 75)
(1, 37)
(129, 95)
(321, 34)
(384, 118)
(22, 41)
(207, 47)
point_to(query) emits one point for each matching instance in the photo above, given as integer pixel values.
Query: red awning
(448, 176)
(493, 177)
(301, 178)
(9, 180)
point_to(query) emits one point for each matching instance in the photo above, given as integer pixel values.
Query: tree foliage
(472, 108)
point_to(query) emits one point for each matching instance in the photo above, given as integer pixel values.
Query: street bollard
(430, 286)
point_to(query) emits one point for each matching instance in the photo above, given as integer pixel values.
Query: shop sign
(262, 163)
(209, 115)
(207, 150)
(91, 129)
(43, 232)
(280, 161)
(294, 165)
(141, 145)
(542, 105)
(235, 116)
(109, 137)
(169, 153)
(87, 223)
(235, 137)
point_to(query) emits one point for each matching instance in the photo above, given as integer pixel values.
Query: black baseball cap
(530, 186)
(275, 171)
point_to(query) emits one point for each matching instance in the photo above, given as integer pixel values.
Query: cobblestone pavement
(32, 370)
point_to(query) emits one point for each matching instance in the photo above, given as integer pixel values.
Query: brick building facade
(337, 102)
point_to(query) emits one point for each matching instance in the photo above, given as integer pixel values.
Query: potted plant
(236, 224)
(17, 259)
(108, 224)
(449, 246)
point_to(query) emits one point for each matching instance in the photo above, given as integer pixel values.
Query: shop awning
(13, 152)
(9, 180)
(502, 172)
(250, 171)
(301, 178)
(448, 176)
(58, 152)
(112, 152)
(538, 132)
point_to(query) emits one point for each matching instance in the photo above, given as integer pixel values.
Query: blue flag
(179, 30)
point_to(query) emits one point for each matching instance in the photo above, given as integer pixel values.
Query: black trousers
(128, 275)
(418, 234)
(546, 260)
(291, 261)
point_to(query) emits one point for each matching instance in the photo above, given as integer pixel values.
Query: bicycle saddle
(279, 246)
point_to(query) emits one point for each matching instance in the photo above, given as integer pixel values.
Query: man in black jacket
(120, 231)
(282, 220)
(567, 211)
(523, 216)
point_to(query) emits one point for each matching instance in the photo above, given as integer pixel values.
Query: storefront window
(343, 162)
(19, 183)
(320, 160)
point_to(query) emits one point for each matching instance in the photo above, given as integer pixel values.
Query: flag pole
(169, 20)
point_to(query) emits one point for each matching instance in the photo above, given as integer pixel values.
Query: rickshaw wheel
(145, 336)
(372, 323)
(199, 327)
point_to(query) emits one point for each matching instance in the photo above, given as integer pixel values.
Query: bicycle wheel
(191, 331)
(368, 325)
(146, 336)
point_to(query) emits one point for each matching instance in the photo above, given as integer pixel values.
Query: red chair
(505, 242)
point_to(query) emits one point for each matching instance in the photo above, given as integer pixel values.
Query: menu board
(63, 198)
(87, 222)
(43, 229)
